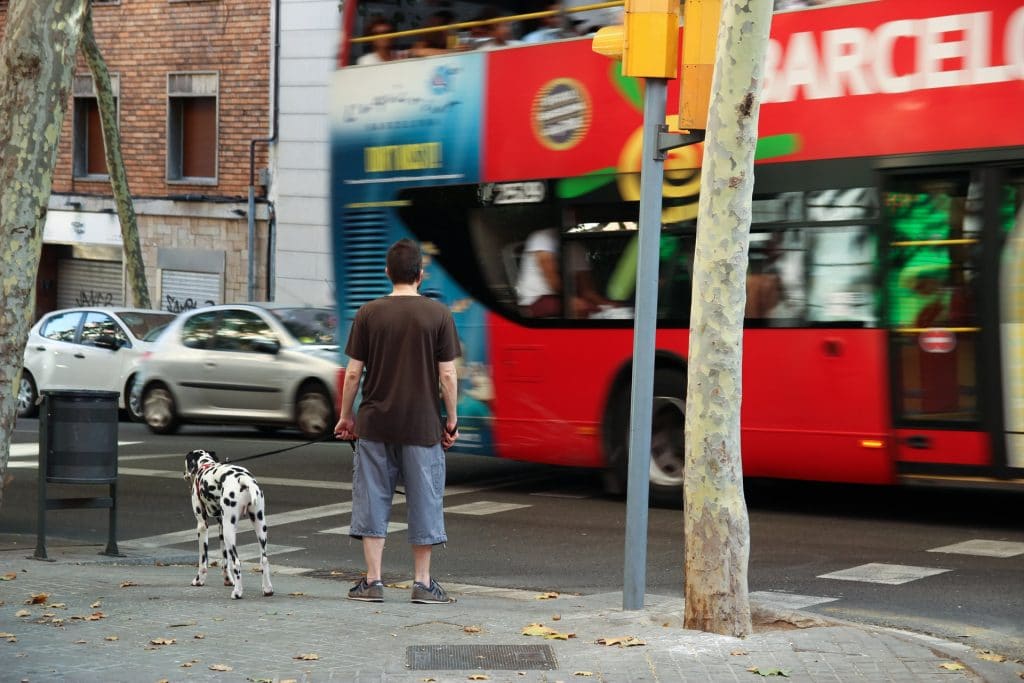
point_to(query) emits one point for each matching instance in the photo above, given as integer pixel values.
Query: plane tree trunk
(717, 528)
(37, 59)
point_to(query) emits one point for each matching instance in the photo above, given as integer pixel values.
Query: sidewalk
(138, 619)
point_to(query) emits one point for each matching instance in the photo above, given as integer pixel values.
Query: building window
(192, 128)
(90, 159)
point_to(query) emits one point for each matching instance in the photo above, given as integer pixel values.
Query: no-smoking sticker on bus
(561, 113)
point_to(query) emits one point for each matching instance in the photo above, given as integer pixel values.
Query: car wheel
(132, 401)
(158, 410)
(27, 396)
(314, 414)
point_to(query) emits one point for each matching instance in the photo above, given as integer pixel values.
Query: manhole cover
(486, 657)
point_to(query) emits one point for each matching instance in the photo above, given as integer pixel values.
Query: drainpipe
(252, 155)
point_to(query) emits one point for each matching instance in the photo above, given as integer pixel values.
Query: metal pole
(652, 172)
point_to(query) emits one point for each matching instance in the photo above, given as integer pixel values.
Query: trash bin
(77, 445)
(78, 429)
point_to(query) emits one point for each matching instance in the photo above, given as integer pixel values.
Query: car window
(61, 327)
(143, 324)
(309, 325)
(198, 330)
(99, 325)
(240, 330)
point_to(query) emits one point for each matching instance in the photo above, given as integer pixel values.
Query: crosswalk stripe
(483, 507)
(983, 548)
(26, 450)
(793, 601)
(877, 572)
(343, 530)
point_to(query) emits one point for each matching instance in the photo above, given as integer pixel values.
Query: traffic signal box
(648, 45)
(700, 34)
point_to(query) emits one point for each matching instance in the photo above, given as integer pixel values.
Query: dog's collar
(199, 471)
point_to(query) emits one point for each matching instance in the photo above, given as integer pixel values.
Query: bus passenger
(435, 42)
(539, 286)
(490, 36)
(382, 50)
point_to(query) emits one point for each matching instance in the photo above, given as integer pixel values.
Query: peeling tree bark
(37, 59)
(716, 524)
(115, 166)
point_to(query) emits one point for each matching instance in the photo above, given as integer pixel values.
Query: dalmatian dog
(224, 493)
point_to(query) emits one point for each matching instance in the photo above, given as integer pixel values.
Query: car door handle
(40, 348)
(79, 355)
(210, 364)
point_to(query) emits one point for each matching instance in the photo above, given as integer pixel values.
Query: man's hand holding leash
(451, 432)
(345, 430)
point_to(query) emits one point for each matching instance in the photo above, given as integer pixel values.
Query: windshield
(145, 325)
(309, 325)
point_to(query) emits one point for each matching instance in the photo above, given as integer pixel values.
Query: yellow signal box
(648, 44)
(700, 35)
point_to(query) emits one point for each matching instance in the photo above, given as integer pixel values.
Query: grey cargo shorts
(377, 469)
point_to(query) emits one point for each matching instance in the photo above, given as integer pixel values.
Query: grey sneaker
(367, 592)
(430, 595)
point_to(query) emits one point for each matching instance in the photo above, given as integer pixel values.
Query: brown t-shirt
(401, 339)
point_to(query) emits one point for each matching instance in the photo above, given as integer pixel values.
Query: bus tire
(667, 456)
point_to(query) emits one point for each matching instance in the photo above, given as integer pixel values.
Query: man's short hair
(404, 262)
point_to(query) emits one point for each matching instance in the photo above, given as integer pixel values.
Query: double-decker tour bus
(884, 334)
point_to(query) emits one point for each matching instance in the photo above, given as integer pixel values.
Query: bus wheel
(667, 456)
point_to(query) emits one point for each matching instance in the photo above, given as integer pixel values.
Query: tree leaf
(9, 576)
(537, 630)
(220, 667)
(96, 605)
(549, 595)
(111, 638)
(621, 641)
(952, 666)
(23, 613)
(767, 672)
(582, 673)
(472, 629)
(308, 657)
(479, 677)
(163, 641)
(128, 584)
(37, 599)
(990, 656)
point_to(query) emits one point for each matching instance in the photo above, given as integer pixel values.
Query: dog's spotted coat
(224, 494)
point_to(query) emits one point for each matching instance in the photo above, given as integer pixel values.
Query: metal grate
(365, 247)
(481, 657)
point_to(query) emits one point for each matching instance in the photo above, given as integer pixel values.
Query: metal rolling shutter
(84, 282)
(182, 290)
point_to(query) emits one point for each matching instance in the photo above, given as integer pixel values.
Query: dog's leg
(202, 530)
(259, 524)
(229, 530)
(224, 568)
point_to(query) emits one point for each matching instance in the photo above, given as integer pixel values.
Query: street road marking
(251, 551)
(876, 572)
(274, 520)
(557, 494)
(789, 600)
(983, 548)
(483, 507)
(25, 450)
(343, 530)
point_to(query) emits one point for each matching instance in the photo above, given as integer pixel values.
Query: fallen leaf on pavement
(738, 653)
(57, 605)
(128, 584)
(309, 656)
(182, 623)
(220, 667)
(5, 634)
(479, 677)
(582, 673)
(96, 605)
(199, 636)
(472, 629)
(37, 598)
(111, 638)
(23, 613)
(403, 586)
(163, 641)
(9, 576)
(297, 594)
(95, 616)
(622, 641)
(990, 656)
(56, 622)
(952, 666)
(80, 642)
(556, 617)
(548, 595)
(767, 672)
(260, 680)
(428, 680)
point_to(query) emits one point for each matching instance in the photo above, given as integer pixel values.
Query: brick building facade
(193, 86)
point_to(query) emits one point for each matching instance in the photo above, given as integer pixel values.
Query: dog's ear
(213, 454)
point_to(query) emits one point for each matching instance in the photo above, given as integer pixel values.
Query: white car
(87, 348)
(265, 365)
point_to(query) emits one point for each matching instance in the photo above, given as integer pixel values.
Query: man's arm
(449, 393)
(548, 262)
(344, 430)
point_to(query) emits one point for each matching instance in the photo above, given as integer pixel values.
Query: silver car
(87, 348)
(265, 365)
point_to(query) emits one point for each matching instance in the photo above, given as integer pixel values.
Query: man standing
(408, 345)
